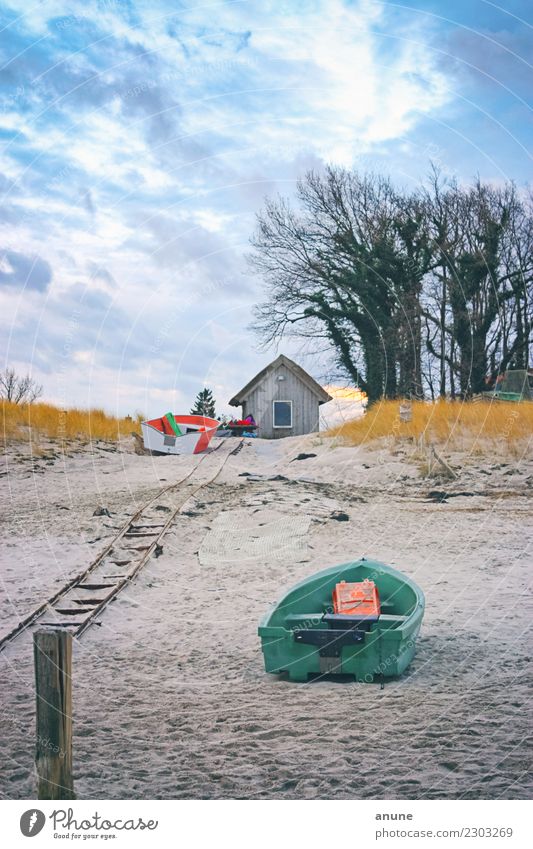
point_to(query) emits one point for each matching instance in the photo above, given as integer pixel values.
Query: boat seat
(349, 620)
(392, 617)
(301, 619)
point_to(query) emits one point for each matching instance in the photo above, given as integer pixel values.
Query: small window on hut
(282, 413)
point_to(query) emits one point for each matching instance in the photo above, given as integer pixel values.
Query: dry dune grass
(33, 421)
(455, 425)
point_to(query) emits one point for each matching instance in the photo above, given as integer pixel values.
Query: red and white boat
(172, 434)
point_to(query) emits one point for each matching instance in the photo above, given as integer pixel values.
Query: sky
(140, 139)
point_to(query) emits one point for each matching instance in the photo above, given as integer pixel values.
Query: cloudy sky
(139, 139)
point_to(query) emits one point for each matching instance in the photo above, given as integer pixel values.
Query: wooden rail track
(80, 600)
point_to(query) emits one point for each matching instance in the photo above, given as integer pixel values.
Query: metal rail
(130, 531)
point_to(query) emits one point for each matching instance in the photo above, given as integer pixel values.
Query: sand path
(170, 696)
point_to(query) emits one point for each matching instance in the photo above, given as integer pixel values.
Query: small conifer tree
(204, 404)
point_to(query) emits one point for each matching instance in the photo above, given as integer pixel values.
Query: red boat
(172, 434)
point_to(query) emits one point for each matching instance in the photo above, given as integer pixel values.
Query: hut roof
(297, 370)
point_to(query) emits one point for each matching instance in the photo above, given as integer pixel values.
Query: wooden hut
(283, 399)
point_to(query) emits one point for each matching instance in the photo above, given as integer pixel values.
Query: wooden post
(443, 463)
(406, 411)
(138, 444)
(52, 651)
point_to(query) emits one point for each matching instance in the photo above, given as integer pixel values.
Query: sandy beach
(170, 696)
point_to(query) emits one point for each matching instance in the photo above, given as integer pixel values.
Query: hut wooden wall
(305, 407)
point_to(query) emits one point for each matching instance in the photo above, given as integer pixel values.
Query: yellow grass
(34, 421)
(450, 424)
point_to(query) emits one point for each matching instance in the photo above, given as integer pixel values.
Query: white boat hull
(193, 442)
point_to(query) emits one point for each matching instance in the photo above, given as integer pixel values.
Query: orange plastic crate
(361, 599)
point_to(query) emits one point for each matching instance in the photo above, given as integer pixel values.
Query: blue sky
(139, 139)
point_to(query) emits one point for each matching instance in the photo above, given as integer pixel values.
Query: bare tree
(19, 390)
(422, 291)
(348, 267)
(478, 305)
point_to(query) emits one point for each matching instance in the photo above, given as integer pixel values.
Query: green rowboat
(302, 636)
(516, 385)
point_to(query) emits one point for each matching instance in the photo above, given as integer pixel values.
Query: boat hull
(384, 650)
(515, 385)
(197, 432)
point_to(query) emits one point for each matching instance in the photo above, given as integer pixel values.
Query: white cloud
(175, 150)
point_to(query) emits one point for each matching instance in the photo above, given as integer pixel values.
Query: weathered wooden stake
(52, 651)
(138, 444)
(443, 463)
(406, 411)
